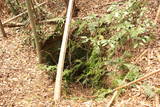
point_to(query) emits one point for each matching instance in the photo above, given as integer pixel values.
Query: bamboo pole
(2, 29)
(33, 26)
(60, 67)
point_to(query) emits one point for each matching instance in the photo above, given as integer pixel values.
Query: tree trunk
(33, 26)
(60, 66)
(2, 29)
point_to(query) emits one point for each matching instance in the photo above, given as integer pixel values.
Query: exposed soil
(22, 84)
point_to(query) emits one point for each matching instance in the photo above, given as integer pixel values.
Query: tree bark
(33, 26)
(2, 29)
(60, 67)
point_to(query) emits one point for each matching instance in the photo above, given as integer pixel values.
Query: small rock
(88, 103)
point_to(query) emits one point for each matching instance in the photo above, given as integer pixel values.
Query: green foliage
(50, 70)
(111, 36)
(133, 73)
(101, 93)
(14, 6)
(148, 90)
(157, 90)
(115, 79)
(109, 41)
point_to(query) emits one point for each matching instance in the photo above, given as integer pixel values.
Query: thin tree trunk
(57, 91)
(33, 25)
(33, 9)
(2, 29)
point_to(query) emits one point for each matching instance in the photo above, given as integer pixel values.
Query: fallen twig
(149, 58)
(48, 21)
(115, 94)
(140, 56)
(112, 99)
(2, 29)
(138, 80)
(116, 90)
(157, 100)
(21, 14)
(14, 25)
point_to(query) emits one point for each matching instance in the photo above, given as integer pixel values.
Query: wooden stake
(60, 67)
(2, 29)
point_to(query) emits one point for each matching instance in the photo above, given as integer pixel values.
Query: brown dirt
(23, 85)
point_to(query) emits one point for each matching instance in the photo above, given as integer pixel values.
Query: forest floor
(22, 84)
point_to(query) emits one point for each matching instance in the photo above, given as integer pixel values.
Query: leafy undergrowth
(101, 47)
(23, 85)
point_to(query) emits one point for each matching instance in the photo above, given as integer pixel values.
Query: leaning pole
(60, 67)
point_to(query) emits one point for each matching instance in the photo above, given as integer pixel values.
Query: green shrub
(109, 41)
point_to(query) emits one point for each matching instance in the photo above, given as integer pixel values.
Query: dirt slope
(23, 85)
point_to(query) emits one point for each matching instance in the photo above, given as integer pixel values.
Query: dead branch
(48, 21)
(11, 25)
(116, 90)
(115, 95)
(21, 14)
(112, 99)
(141, 55)
(138, 80)
(2, 29)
